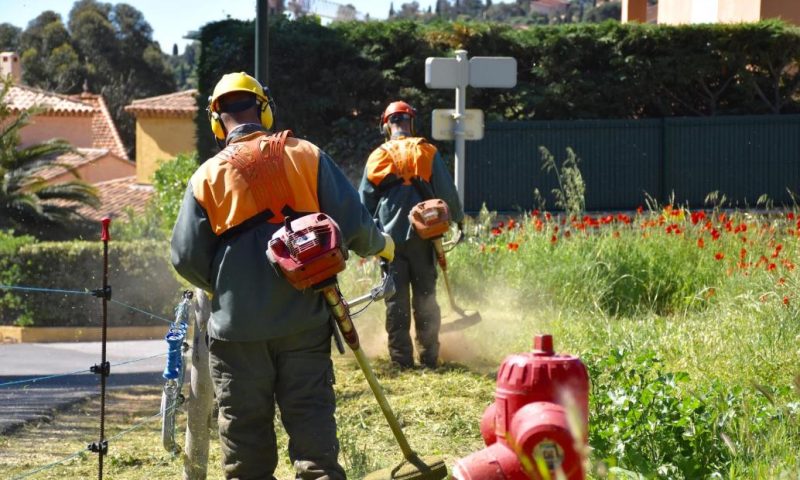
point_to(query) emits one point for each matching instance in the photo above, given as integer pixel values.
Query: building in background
(100, 158)
(675, 12)
(165, 128)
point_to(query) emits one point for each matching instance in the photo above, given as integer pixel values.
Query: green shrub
(170, 182)
(11, 305)
(577, 71)
(139, 273)
(663, 424)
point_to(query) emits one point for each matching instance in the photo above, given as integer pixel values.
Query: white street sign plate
(443, 72)
(492, 72)
(443, 124)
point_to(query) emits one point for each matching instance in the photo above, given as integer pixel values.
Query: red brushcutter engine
(308, 251)
(430, 218)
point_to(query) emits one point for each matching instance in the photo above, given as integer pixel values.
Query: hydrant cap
(543, 345)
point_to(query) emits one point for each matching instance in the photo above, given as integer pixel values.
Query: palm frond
(79, 192)
(43, 151)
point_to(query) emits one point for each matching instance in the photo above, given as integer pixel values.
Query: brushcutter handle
(457, 237)
(387, 282)
(383, 290)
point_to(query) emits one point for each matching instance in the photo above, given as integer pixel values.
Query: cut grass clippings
(439, 412)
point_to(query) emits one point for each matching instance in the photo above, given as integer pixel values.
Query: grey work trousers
(414, 274)
(294, 371)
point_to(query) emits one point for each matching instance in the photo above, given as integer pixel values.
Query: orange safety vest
(269, 176)
(405, 158)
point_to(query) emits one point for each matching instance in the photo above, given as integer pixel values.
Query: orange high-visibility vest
(258, 174)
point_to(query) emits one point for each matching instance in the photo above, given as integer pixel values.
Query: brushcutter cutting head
(428, 468)
(430, 218)
(308, 251)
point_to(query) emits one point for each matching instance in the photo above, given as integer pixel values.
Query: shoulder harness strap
(263, 168)
(400, 154)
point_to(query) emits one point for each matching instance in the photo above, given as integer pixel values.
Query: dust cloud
(505, 323)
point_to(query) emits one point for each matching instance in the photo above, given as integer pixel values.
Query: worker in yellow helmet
(268, 342)
(402, 172)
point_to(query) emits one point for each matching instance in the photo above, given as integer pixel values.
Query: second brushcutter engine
(430, 219)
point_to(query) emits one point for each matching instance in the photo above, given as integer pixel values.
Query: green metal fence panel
(740, 157)
(622, 161)
(619, 160)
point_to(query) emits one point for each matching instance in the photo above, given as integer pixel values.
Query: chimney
(9, 65)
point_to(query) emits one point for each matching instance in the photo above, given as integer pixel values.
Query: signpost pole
(458, 131)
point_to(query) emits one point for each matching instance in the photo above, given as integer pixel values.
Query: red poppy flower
(511, 224)
(790, 216)
(513, 246)
(719, 255)
(786, 300)
(639, 210)
(496, 231)
(553, 239)
(700, 243)
(771, 267)
(697, 216)
(742, 253)
(535, 213)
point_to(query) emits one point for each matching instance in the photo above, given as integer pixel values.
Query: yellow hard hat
(238, 82)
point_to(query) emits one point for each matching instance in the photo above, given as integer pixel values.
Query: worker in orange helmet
(402, 172)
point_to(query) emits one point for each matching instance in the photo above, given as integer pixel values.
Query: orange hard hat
(397, 107)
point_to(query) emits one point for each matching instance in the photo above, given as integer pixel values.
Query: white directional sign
(443, 124)
(457, 73)
(443, 72)
(492, 72)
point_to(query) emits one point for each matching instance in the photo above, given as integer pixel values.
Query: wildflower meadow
(687, 320)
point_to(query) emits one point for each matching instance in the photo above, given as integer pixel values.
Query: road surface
(24, 400)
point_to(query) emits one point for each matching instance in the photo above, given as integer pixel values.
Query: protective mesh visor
(399, 117)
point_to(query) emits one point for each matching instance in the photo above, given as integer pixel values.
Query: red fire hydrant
(527, 429)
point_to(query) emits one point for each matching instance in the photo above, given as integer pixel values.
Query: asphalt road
(27, 395)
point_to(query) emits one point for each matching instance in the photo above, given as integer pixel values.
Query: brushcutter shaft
(386, 409)
(440, 256)
(341, 314)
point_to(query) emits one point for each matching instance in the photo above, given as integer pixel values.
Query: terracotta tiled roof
(82, 156)
(549, 6)
(179, 104)
(104, 132)
(116, 196)
(21, 97)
